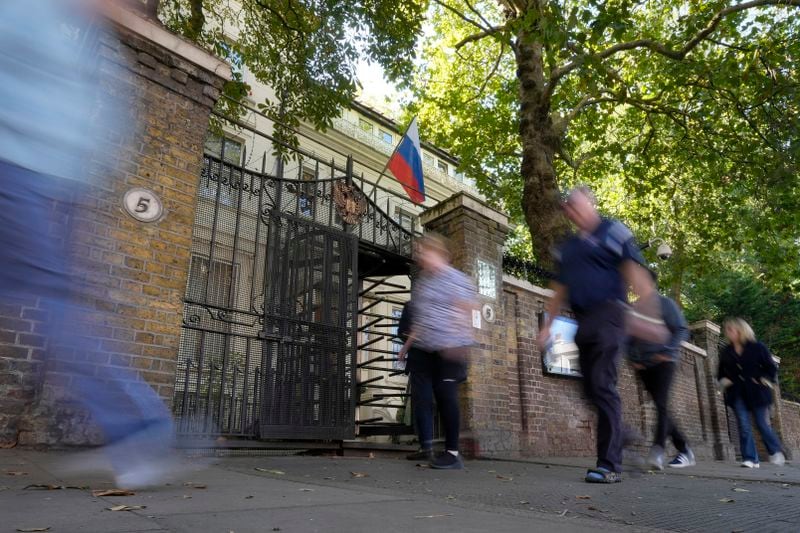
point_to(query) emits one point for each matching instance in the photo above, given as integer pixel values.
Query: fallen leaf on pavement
(592, 508)
(524, 502)
(248, 497)
(195, 485)
(306, 490)
(737, 489)
(583, 497)
(53, 487)
(15, 473)
(112, 492)
(32, 529)
(434, 516)
(451, 497)
(727, 500)
(358, 474)
(276, 472)
(127, 508)
(504, 478)
(423, 465)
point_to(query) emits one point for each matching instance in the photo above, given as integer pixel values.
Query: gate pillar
(138, 269)
(489, 412)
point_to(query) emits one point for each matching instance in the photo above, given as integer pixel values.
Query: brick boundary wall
(137, 271)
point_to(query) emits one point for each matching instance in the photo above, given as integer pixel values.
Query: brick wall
(133, 274)
(556, 418)
(789, 427)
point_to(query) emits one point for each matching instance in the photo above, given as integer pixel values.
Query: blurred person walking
(595, 268)
(442, 299)
(420, 370)
(52, 117)
(655, 365)
(747, 374)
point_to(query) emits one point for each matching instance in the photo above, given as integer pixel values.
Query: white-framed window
(406, 220)
(427, 159)
(306, 197)
(216, 145)
(365, 125)
(387, 137)
(441, 165)
(397, 344)
(211, 282)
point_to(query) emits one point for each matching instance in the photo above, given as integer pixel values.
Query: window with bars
(397, 344)
(211, 282)
(215, 144)
(365, 125)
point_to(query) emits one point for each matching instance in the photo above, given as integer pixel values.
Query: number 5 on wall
(143, 205)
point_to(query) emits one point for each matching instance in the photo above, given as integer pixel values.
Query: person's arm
(553, 308)
(638, 279)
(769, 369)
(677, 325)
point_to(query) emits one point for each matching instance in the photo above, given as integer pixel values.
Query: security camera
(664, 252)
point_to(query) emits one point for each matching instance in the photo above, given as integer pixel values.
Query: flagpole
(386, 166)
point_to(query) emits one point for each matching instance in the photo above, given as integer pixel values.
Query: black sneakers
(447, 461)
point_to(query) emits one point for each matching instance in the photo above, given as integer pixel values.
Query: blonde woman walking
(747, 374)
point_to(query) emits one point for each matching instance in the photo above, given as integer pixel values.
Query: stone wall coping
(527, 286)
(694, 348)
(464, 199)
(707, 324)
(161, 36)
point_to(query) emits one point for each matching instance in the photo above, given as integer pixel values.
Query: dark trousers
(422, 404)
(439, 379)
(599, 337)
(657, 381)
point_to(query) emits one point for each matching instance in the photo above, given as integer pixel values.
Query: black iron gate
(309, 331)
(268, 348)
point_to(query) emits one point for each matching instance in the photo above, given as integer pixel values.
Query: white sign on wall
(143, 205)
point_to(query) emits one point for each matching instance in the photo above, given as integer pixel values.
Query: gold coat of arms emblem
(351, 204)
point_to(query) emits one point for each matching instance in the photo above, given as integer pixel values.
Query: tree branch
(664, 49)
(478, 36)
(489, 76)
(461, 15)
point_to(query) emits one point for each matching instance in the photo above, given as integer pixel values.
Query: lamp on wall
(664, 250)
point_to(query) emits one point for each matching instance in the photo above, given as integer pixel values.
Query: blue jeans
(746, 440)
(35, 210)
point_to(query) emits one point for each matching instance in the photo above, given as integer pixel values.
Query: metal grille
(270, 313)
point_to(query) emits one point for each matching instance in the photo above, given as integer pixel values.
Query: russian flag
(406, 164)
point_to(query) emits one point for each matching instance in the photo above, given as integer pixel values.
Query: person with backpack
(655, 365)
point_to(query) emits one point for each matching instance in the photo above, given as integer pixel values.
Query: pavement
(295, 493)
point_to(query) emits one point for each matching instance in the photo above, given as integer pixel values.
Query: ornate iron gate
(268, 348)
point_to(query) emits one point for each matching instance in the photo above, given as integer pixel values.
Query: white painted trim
(527, 286)
(696, 349)
(161, 36)
(463, 199)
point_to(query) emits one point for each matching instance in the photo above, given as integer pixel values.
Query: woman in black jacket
(747, 374)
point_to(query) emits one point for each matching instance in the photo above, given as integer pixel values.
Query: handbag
(643, 320)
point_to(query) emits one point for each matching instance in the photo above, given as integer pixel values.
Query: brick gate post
(138, 270)
(706, 335)
(477, 234)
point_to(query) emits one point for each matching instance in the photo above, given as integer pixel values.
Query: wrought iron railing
(526, 270)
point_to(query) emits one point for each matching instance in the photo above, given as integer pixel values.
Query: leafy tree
(683, 114)
(305, 51)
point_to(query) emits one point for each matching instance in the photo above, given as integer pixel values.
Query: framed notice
(561, 353)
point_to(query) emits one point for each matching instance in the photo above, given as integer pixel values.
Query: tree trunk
(540, 197)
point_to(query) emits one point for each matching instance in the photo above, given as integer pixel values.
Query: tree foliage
(684, 117)
(304, 50)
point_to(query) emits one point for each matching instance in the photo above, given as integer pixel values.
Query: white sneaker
(750, 464)
(656, 458)
(777, 459)
(682, 460)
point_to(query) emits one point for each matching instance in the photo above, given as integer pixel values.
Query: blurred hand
(724, 383)
(661, 358)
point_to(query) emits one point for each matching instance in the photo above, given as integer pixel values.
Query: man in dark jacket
(655, 365)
